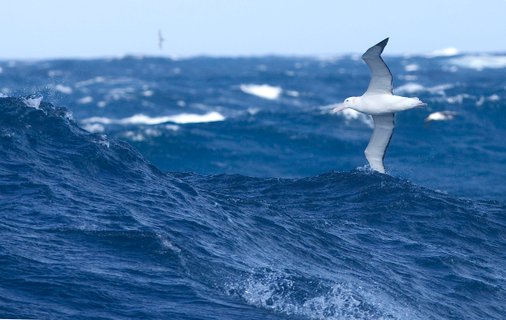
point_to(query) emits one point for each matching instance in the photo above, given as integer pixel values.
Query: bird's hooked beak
(338, 108)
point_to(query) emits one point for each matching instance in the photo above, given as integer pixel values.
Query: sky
(39, 29)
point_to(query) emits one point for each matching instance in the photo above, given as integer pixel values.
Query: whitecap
(480, 62)
(63, 89)
(410, 87)
(183, 118)
(88, 82)
(166, 244)
(411, 67)
(152, 132)
(408, 77)
(33, 102)
(85, 100)
(492, 98)
(103, 141)
(440, 89)
(253, 111)
(480, 101)
(441, 116)
(68, 115)
(333, 300)
(263, 90)
(197, 118)
(116, 94)
(446, 52)
(94, 127)
(148, 93)
(172, 127)
(54, 73)
(134, 136)
(451, 69)
(103, 120)
(413, 87)
(458, 99)
(292, 93)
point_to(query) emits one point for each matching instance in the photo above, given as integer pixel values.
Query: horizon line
(446, 52)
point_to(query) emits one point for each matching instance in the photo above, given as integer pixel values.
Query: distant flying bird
(380, 102)
(161, 39)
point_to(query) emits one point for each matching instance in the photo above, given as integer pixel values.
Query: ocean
(225, 188)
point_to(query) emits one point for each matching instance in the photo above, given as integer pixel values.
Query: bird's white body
(376, 104)
(380, 102)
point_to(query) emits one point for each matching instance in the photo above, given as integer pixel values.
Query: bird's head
(351, 102)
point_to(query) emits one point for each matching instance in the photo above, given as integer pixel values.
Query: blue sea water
(225, 188)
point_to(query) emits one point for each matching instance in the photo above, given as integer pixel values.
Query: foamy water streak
(263, 91)
(63, 89)
(441, 116)
(413, 87)
(445, 52)
(480, 62)
(183, 118)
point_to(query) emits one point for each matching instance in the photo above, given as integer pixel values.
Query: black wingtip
(383, 43)
(374, 49)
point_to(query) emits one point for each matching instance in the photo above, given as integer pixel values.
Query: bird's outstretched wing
(381, 77)
(375, 151)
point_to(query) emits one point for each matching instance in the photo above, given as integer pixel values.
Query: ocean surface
(225, 188)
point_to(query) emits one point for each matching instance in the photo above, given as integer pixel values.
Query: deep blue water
(185, 189)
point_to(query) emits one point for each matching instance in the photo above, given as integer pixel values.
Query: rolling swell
(90, 229)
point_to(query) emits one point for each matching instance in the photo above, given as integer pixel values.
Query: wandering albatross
(380, 103)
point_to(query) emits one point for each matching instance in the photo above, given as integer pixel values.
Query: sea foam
(63, 89)
(480, 62)
(139, 119)
(413, 87)
(262, 90)
(32, 102)
(446, 52)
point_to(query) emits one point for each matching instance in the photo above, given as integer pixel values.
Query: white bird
(380, 103)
